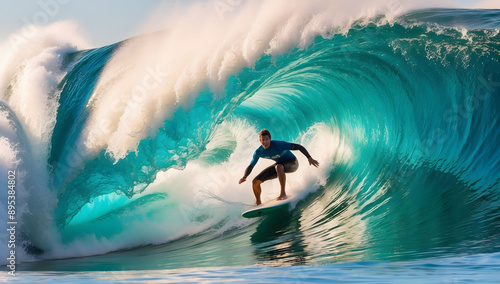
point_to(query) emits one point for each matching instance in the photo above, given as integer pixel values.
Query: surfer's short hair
(264, 132)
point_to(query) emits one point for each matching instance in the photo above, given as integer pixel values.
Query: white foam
(31, 71)
(32, 68)
(9, 161)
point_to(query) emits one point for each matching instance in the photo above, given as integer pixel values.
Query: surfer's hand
(242, 180)
(313, 162)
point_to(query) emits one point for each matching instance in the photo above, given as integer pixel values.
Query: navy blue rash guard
(278, 151)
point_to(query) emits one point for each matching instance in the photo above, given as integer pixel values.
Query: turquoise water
(130, 169)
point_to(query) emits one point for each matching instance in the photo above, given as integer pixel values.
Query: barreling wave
(152, 134)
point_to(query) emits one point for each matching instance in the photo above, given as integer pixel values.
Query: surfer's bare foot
(281, 197)
(258, 203)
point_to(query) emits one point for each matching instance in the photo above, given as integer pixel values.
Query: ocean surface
(126, 158)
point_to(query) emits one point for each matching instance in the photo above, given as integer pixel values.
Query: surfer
(286, 162)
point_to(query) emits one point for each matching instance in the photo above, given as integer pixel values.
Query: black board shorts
(270, 172)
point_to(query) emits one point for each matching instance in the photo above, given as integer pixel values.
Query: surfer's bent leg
(280, 169)
(288, 166)
(266, 174)
(256, 190)
(271, 172)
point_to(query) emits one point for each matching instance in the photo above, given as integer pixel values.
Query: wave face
(401, 113)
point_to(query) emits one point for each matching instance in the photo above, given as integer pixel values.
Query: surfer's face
(265, 140)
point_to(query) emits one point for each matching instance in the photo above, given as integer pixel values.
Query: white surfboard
(267, 208)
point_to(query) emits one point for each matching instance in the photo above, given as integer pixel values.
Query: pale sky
(102, 22)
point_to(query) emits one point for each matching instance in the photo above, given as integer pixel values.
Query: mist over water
(143, 141)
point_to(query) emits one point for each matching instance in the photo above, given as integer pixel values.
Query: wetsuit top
(278, 151)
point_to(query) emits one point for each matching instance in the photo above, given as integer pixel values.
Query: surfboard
(267, 208)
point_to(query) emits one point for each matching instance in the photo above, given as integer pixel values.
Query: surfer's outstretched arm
(247, 172)
(303, 150)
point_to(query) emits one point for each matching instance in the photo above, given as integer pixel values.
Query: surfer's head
(265, 138)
